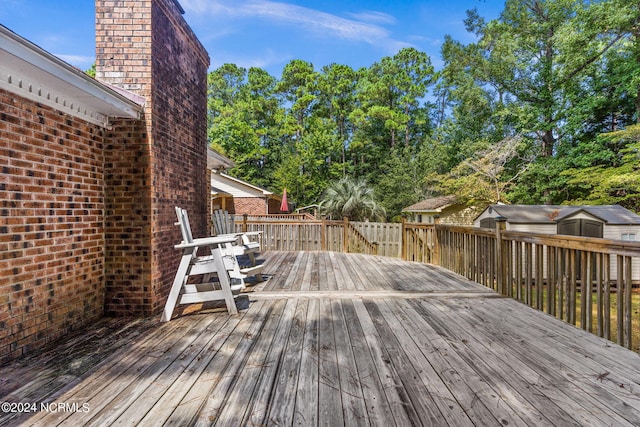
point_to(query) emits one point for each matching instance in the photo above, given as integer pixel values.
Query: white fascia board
(31, 72)
(243, 183)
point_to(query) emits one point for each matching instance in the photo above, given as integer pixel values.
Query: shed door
(488, 223)
(581, 227)
(570, 227)
(592, 228)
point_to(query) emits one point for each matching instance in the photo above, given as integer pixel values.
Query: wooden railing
(275, 217)
(587, 282)
(282, 234)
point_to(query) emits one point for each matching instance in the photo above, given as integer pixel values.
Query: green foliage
(92, 71)
(351, 198)
(615, 179)
(560, 77)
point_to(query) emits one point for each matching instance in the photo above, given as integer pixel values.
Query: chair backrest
(223, 223)
(185, 226)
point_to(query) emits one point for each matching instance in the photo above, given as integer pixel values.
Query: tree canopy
(541, 108)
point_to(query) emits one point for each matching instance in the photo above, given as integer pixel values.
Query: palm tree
(352, 198)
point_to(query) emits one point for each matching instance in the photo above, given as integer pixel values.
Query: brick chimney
(153, 165)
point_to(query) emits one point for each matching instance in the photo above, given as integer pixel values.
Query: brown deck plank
(118, 389)
(166, 404)
(229, 373)
(375, 399)
(306, 408)
(259, 406)
(437, 390)
(333, 275)
(401, 410)
(147, 390)
(329, 397)
(354, 411)
(539, 369)
(283, 396)
(245, 386)
(530, 392)
(471, 393)
(413, 391)
(218, 370)
(318, 272)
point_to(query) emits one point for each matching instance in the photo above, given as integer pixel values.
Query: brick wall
(87, 214)
(51, 229)
(146, 47)
(249, 206)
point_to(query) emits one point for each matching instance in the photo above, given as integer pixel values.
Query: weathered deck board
(338, 339)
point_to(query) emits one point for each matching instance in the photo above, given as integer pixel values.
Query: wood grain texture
(339, 339)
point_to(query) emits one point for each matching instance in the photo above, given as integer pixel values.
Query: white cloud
(83, 62)
(365, 28)
(263, 60)
(372, 16)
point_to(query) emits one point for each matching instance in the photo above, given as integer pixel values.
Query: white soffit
(31, 72)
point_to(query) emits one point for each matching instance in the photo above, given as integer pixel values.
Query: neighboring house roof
(435, 204)
(216, 161)
(222, 183)
(549, 214)
(33, 73)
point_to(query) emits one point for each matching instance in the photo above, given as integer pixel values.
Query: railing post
(323, 233)
(403, 239)
(435, 259)
(244, 223)
(501, 223)
(345, 235)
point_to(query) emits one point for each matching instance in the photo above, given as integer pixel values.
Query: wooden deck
(334, 339)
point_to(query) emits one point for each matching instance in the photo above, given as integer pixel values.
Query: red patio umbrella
(284, 206)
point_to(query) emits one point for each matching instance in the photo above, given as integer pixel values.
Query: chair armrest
(208, 241)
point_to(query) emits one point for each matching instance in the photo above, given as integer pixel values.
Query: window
(628, 236)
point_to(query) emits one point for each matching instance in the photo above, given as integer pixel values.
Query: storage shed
(611, 222)
(447, 208)
(606, 221)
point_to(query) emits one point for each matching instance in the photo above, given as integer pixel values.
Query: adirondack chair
(208, 265)
(230, 252)
(224, 224)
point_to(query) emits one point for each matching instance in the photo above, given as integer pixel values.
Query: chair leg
(178, 282)
(225, 283)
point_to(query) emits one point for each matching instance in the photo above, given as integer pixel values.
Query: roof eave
(33, 73)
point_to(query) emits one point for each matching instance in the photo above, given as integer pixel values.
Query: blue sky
(266, 33)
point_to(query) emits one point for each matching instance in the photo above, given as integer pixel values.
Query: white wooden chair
(224, 224)
(230, 253)
(191, 264)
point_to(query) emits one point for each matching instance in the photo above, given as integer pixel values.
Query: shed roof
(433, 204)
(549, 214)
(610, 214)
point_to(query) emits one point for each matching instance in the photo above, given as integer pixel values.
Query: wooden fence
(284, 234)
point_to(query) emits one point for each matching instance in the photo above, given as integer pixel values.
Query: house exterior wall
(87, 213)
(614, 232)
(274, 206)
(146, 47)
(52, 253)
(249, 206)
